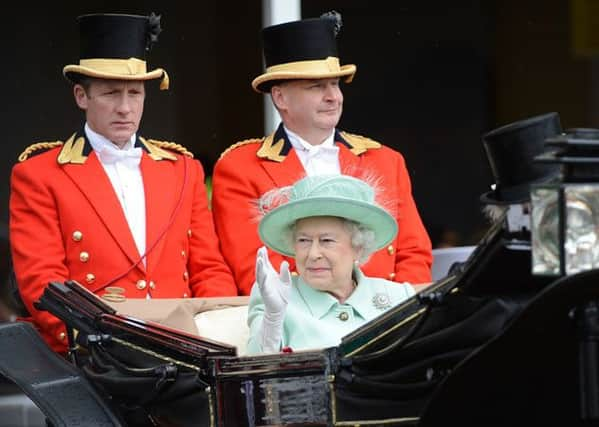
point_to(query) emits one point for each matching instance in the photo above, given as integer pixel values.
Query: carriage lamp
(565, 212)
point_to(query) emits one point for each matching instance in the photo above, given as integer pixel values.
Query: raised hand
(274, 287)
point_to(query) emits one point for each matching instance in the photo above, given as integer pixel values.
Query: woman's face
(324, 255)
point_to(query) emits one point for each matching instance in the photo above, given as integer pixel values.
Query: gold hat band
(313, 69)
(131, 66)
(125, 69)
(328, 65)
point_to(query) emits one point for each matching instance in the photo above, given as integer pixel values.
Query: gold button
(185, 295)
(343, 316)
(62, 336)
(84, 256)
(189, 232)
(114, 297)
(152, 285)
(391, 276)
(185, 275)
(77, 235)
(141, 285)
(90, 278)
(182, 254)
(390, 249)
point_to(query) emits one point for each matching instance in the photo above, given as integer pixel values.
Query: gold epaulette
(240, 143)
(173, 146)
(37, 146)
(157, 150)
(360, 143)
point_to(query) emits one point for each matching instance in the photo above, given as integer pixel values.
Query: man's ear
(81, 97)
(278, 97)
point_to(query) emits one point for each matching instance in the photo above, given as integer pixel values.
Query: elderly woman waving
(330, 225)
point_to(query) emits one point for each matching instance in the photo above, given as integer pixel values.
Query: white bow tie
(129, 157)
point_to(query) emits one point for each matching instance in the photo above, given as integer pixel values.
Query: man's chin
(330, 121)
(121, 137)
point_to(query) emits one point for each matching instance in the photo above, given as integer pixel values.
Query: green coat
(316, 319)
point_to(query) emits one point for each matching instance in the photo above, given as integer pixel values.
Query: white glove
(274, 288)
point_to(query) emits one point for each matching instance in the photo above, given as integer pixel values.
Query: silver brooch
(381, 301)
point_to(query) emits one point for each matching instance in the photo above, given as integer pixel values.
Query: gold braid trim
(360, 143)
(172, 146)
(37, 146)
(240, 143)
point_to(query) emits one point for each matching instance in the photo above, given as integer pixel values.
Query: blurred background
(432, 77)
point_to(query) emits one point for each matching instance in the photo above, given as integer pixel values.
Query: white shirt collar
(301, 144)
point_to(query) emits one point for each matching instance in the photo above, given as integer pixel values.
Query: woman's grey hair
(362, 238)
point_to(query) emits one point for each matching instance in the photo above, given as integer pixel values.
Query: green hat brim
(274, 225)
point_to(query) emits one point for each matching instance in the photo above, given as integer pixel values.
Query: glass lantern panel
(545, 230)
(581, 246)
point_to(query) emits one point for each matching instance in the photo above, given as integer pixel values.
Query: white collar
(301, 144)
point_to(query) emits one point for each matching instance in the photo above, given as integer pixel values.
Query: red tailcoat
(66, 222)
(250, 168)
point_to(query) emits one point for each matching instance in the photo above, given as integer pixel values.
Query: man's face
(309, 105)
(113, 108)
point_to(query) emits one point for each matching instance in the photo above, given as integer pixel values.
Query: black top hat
(114, 46)
(305, 49)
(511, 150)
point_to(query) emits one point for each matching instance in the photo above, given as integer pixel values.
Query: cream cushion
(222, 319)
(227, 325)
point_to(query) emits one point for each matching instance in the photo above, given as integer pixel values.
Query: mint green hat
(325, 195)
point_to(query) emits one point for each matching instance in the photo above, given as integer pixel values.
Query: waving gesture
(274, 288)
